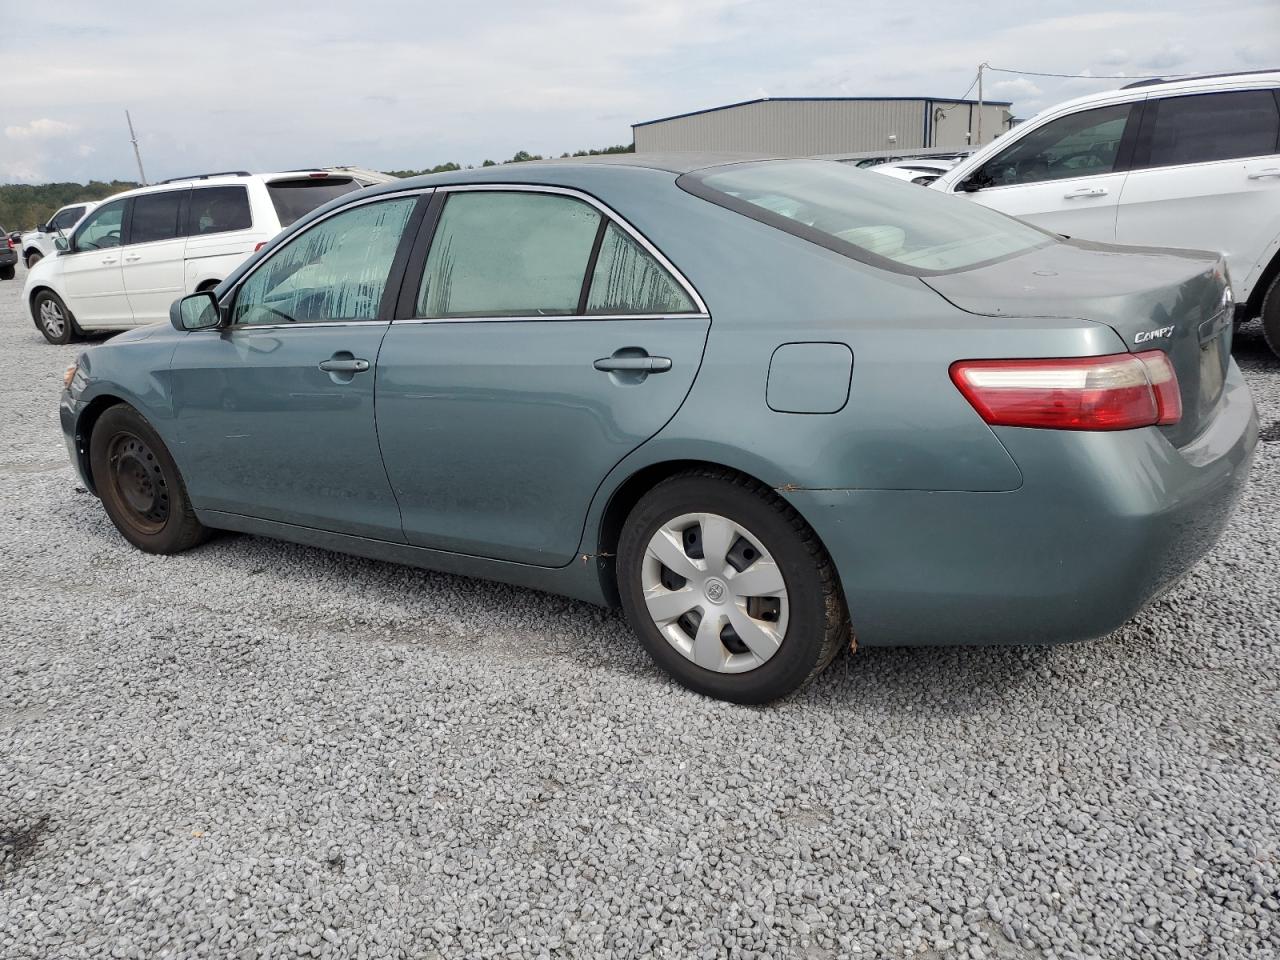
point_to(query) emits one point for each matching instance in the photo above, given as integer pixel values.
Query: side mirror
(198, 311)
(62, 244)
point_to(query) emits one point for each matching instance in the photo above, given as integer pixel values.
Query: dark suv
(8, 255)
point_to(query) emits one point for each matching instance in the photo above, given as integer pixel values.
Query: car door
(1064, 175)
(92, 279)
(1207, 175)
(153, 253)
(537, 342)
(275, 410)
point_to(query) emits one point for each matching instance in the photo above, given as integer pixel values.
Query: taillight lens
(259, 245)
(1116, 392)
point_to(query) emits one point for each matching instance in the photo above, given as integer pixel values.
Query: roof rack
(1153, 81)
(206, 176)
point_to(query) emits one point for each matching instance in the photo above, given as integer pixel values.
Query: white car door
(1207, 176)
(1064, 175)
(154, 254)
(92, 282)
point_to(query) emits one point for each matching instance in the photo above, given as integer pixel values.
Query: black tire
(1271, 317)
(8, 272)
(33, 258)
(139, 484)
(818, 623)
(68, 330)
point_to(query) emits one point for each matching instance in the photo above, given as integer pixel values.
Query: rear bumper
(1102, 523)
(8, 258)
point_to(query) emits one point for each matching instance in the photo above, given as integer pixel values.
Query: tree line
(24, 206)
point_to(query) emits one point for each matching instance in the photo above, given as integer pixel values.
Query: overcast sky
(265, 86)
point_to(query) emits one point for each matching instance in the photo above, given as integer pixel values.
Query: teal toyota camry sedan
(772, 408)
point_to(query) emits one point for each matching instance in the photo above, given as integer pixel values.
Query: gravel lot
(263, 750)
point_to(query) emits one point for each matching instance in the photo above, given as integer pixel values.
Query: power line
(1081, 76)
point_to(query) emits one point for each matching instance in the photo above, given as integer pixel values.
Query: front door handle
(1085, 192)
(633, 364)
(109, 259)
(352, 365)
(1265, 172)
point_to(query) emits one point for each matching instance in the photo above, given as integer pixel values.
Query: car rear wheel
(33, 259)
(728, 588)
(1271, 317)
(53, 318)
(139, 484)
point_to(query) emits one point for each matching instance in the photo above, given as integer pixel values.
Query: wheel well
(84, 432)
(624, 499)
(1253, 306)
(31, 301)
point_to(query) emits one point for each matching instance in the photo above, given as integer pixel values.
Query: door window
(1211, 126)
(1078, 145)
(155, 216)
(218, 210)
(66, 219)
(336, 270)
(101, 229)
(627, 279)
(508, 254)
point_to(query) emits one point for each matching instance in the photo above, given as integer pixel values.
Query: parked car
(40, 243)
(8, 256)
(920, 172)
(1189, 163)
(635, 381)
(139, 250)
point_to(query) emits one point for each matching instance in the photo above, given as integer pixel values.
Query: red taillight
(9, 241)
(259, 245)
(1117, 392)
(317, 176)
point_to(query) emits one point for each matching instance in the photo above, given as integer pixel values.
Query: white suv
(138, 251)
(39, 243)
(1173, 163)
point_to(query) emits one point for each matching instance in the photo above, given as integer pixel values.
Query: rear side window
(294, 199)
(218, 210)
(500, 254)
(66, 219)
(627, 279)
(155, 216)
(1079, 145)
(1211, 126)
(867, 216)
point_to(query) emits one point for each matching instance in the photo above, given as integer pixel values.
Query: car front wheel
(139, 484)
(728, 588)
(33, 259)
(53, 318)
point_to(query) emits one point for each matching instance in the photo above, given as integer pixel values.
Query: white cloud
(1015, 88)
(42, 129)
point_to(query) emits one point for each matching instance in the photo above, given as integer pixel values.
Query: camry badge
(1146, 336)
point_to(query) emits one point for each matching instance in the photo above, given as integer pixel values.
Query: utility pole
(982, 66)
(138, 155)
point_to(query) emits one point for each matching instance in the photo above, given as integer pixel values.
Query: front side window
(336, 270)
(218, 210)
(1212, 126)
(66, 219)
(888, 223)
(155, 217)
(1079, 145)
(508, 254)
(101, 229)
(627, 279)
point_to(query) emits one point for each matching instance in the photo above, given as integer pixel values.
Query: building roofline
(747, 103)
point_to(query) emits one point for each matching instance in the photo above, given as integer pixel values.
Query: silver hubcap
(51, 318)
(715, 593)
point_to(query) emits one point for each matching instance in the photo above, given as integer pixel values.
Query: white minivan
(138, 251)
(1193, 162)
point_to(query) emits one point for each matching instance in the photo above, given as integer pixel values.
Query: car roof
(224, 179)
(1170, 87)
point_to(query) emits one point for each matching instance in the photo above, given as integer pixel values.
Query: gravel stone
(263, 750)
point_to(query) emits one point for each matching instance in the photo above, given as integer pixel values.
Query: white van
(138, 251)
(1193, 162)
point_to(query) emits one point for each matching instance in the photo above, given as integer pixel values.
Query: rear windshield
(296, 198)
(888, 223)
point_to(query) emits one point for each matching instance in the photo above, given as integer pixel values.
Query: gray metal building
(807, 126)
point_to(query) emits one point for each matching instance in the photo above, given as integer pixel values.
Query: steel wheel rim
(138, 482)
(725, 610)
(52, 318)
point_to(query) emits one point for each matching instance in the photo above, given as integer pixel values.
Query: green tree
(24, 206)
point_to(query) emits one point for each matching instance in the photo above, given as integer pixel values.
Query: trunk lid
(1153, 298)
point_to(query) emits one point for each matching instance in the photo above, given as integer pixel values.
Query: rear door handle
(344, 366)
(1265, 172)
(110, 259)
(1085, 192)
(634, 364)
(132, 258)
